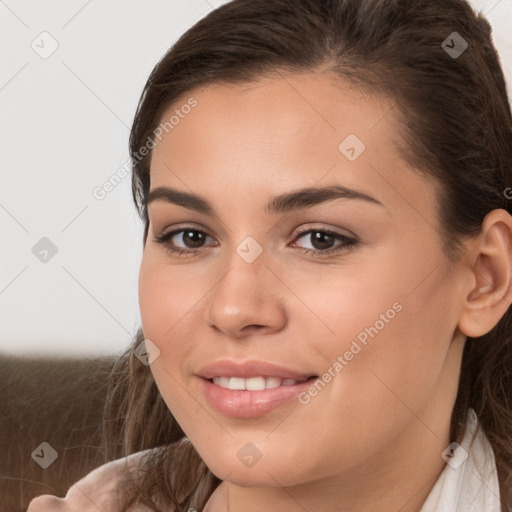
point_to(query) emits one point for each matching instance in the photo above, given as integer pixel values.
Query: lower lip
(250, 404)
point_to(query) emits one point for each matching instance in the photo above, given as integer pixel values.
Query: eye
(192, 239)
(323, 241)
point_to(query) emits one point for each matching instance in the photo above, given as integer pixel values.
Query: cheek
(384, 382)
(166, 300)
(392, 341)
(401, 349)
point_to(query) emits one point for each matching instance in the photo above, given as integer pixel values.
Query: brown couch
(58, 401)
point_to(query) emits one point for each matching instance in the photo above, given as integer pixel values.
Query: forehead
(276, 114)
(286, 132)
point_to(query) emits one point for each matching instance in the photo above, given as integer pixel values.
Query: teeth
(273, 382)
(223, 381)
(236, 383)
(253, 383)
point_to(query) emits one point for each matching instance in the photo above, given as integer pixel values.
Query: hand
(97, 491)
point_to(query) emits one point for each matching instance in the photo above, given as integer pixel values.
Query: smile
(258, 383)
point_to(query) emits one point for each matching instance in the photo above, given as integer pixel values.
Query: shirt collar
(469, 481)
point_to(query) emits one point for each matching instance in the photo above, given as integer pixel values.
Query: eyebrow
(289, 201)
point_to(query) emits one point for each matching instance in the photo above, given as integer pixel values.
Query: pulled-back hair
(455, 125)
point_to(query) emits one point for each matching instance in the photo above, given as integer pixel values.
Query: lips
(250, 389)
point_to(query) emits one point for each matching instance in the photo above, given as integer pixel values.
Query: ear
(490, 267)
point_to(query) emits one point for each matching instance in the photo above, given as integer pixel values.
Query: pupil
(195, 236)
(319, 239)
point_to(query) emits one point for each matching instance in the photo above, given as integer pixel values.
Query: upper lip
(248, 369)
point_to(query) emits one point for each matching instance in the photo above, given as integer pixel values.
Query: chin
(251, 477)
(262, 473)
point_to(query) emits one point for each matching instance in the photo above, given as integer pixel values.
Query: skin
(372, 438)
(96, 491)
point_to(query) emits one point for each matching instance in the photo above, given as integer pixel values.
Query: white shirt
(469, 481)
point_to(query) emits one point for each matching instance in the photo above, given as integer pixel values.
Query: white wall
(64, 131)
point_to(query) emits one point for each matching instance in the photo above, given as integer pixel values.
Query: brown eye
(323, 241)
(189, 238)
(192, 238)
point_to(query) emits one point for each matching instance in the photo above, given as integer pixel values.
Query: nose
(247, 300)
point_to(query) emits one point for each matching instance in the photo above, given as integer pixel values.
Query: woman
(325, 283)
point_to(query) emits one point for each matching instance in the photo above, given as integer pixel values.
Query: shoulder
(98, 490)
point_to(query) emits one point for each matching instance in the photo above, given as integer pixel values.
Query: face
(350, 296)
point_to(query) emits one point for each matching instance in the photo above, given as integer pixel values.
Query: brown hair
(455, 125)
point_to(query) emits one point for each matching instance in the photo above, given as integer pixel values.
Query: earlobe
(491, 275)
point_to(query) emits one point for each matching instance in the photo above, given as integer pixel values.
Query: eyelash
(347, 245)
